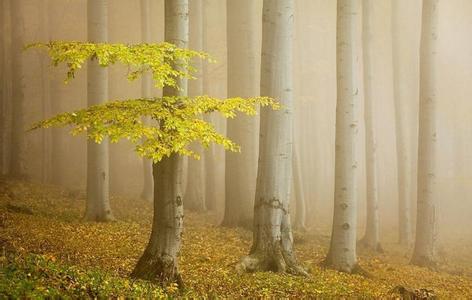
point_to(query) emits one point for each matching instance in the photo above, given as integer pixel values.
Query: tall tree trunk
(211, 154)
(195, 190)
(371, 238)
(6, 86)
(272, 248)
(400, 88)
(241, 168)
(98, 202)
(3, 79)
(424, 253)
(17, 139)
(46, 159)
(342, 253)
(300, 204)
(160, 259)
(146, 85)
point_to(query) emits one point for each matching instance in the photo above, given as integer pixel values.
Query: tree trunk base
(424, 261)
(99, 217)
(354, 269)
(275, 262)
(161, 269)
(376, 247)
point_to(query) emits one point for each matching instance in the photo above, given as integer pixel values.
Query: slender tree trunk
(195, 190)
(211, 155)
(160, 259)
(300, 204)
(17, 139)
(3, 79)
(371, 238)
(146, 86)
(241, 168)
(342, 253)
(98, 202)
(7, 86)
(46, 164)
(424, 253)
(401, 127)
(272, 248)
(210, 169)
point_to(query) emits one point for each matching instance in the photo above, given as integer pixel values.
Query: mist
(218, 191)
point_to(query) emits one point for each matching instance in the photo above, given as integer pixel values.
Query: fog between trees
(388, 74)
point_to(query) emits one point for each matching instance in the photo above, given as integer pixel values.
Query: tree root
(354, 269)
(274, 263)
(161, 270)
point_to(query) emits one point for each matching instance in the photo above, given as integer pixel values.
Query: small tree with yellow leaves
(176, 124)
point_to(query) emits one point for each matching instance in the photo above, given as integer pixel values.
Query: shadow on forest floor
(64, 255)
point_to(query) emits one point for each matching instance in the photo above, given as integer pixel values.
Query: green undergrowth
(38, 276)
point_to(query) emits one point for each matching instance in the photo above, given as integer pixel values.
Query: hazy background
(315, 98)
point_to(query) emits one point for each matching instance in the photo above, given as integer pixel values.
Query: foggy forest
(236, 149)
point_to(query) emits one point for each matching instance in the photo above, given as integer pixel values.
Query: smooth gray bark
(272, 248)
(98, 201)
(342, 252)
(243, 55)
(300, 201)
(146, 86)
(425, 242)
(17, 139)
(371, 238)
(195, 189)
(400, 88)
(159, 262)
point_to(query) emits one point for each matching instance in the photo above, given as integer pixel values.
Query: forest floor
(47, 250)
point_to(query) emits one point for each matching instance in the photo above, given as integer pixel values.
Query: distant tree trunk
(159, 262)
(241, 168)
(98, 202)
(3, 78)
(6, 86)
(300, 204)
(17, 139)
(272, 248)
(146, 85)
(210, 169)
(46, 164)
(195, 190)
(342, 253)
(401, 127)
(424, 253)
(211, 162)
(371, 238)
